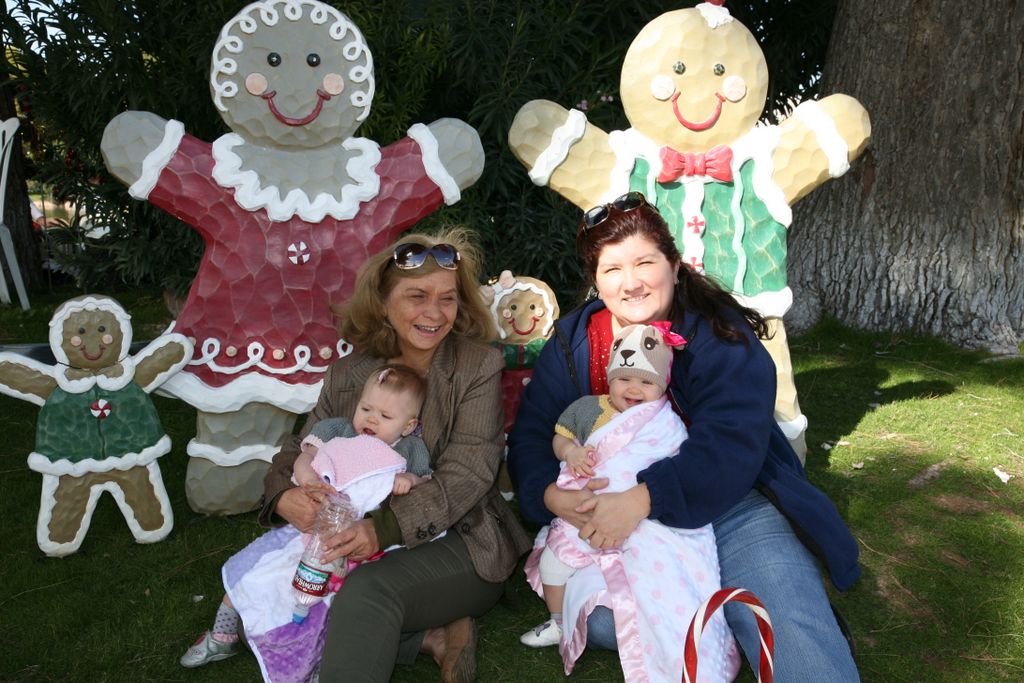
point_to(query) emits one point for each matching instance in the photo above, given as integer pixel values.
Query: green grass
(915, 428)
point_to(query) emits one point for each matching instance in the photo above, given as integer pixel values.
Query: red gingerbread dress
(259, 308)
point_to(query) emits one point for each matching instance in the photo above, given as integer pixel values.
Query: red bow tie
(716, 163)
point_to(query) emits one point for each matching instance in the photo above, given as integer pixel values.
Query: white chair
(7, 129)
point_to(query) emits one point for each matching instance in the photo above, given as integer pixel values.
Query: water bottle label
(311, 580)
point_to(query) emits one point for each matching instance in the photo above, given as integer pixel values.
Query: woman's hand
(298, 507)
(358, 542)
(612, 517)
(565, 503)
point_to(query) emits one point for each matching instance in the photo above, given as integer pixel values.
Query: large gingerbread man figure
(693, 84)
(98, 430)
(289, 204)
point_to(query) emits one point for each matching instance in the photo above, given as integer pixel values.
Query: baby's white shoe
(547, 634)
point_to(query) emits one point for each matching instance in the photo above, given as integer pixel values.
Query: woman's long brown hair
(693, 292)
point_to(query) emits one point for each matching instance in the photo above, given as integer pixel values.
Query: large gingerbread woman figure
(693, 84)
(98, 430)
(289, 204)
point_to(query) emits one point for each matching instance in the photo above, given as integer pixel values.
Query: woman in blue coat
(736, 470)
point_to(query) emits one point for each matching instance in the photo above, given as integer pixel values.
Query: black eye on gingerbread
(313, 59)
(102, 328)
(719, 69)
(81, 330)
(679, 67)
(513, 307)
(274, 59)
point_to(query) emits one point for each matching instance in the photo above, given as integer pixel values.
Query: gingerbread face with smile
(522, 314)
(285, 73)
(691, 86)
(92, 339)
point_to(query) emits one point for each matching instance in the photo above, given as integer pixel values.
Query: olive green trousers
(379, 616)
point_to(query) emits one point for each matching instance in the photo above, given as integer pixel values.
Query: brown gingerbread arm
(563, 151)
(817, 142)
(161, 359)
(25, 378)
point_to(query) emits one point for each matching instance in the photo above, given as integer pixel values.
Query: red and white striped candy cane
(704, 614)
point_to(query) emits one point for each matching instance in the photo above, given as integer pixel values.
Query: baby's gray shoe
(208, 649)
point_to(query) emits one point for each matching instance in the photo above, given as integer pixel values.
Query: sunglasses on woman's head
(409, 256)
(599, 214)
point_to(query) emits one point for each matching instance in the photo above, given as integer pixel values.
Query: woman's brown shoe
(459, 663)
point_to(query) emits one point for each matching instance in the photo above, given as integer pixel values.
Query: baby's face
(385, 414)
(625, 391)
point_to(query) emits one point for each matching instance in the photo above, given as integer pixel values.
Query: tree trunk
(926, 233)
(17, 216)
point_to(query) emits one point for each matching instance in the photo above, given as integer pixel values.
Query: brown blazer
(462, 427)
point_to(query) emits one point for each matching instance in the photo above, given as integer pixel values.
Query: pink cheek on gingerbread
(256, 84)
(107, 339)
(734, 88)
(75, 341)
(333, 84)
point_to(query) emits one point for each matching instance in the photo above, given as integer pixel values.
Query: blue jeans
(758, 550)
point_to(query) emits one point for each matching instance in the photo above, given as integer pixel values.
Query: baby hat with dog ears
(644, 351)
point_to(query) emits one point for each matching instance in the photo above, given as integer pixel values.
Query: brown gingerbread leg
(70, 509)
(787, 407)
(145, 502)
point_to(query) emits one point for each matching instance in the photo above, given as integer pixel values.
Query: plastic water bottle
(312, 575)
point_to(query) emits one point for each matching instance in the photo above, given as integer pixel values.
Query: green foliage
(75, 65)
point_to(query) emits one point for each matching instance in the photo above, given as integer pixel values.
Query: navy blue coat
(727, 391)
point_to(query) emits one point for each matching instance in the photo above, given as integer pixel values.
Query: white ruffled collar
(80, 385)
(343, 204)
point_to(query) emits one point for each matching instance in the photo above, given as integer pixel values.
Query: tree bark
(926, 233)
(17, 216)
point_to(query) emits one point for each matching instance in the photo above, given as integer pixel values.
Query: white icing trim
(825, 131)
(156, 345)
(739, 223)
(760, 144)
(693, 243)
(768, 304)
(714, 15)
(255, 351)
(564, 137)
(436, 171)
(247, 388)
(627, 146)
(88, 303)
(342, 205)
(48, 502)
(38, 462)
(156, 160)
(24, 361)
(84, 384)
(237, 456)
(519, 286)
(793, 428)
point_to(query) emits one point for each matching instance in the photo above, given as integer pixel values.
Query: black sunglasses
(409, 256)
(599, 214)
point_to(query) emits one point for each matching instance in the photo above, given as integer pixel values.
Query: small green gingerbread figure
(98, 429)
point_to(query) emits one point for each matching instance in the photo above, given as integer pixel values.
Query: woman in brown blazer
(417, 303)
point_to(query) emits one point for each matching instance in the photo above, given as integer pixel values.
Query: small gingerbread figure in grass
(693, 84)
(98, 429)
(289, 205)
(525, 310)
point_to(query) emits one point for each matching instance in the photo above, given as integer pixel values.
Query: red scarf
(600, 336)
